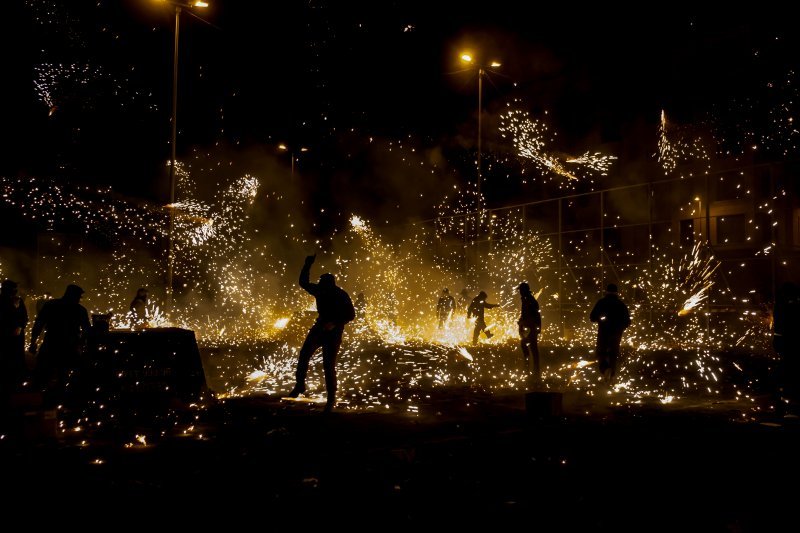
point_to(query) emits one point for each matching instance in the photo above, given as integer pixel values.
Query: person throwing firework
(335, 309)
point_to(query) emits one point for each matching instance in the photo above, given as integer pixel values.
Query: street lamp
(467, 58)
(284, 148)
(179, 6)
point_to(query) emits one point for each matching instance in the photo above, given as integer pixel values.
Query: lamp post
(482, 69)
(179, 6)
(284, 148)
(467, 58)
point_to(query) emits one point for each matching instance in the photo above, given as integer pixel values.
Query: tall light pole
(173, 140)
(467, 58)
(284, 148)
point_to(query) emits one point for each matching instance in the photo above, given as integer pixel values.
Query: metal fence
(633, 236)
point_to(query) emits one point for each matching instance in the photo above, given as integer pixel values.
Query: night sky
(331, 76)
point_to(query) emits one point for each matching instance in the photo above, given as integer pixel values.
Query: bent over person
(335, 309)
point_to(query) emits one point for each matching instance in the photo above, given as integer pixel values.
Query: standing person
(65, 323)
(530, 324)
(335, 310)
(476, 309)
(138, 309)
(13, 319)
(612, 317)
(445, 307)
(786, 340)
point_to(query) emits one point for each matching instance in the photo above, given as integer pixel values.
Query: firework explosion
(678, 144)
(531, 139)
(238, 287)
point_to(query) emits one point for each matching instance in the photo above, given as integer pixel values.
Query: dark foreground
(264, 462)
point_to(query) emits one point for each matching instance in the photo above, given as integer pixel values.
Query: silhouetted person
(786, 339)
(335, 310)
(65, 323)
(445, 307)
(612, 317)
(530, 324)
(13, 319)
(360, 306)
(138, 309)
(476, 309)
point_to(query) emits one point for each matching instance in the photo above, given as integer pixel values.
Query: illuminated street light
(284, 148)
(468, 58)
(179, 6)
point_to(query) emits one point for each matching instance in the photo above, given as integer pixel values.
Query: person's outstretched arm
(305, 273)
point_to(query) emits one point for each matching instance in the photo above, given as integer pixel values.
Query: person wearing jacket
(476, 309)
(612, 317)
(335, 309)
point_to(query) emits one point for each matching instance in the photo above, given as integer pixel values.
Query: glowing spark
(257, 376)
(465, 354)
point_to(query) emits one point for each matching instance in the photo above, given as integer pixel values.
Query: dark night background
(331, 75)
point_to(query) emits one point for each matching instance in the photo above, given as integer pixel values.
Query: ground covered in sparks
(427, 437)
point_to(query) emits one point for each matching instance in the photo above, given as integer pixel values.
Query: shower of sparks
(241, 297)
(696, 273)
(596, 161)
(678, 144)
(532, 139)
(465, 354)
(59, 84)
(675, 290)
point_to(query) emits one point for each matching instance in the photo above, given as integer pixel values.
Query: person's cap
(482, 294)
(327, 278)
(611, 289)
(524, 287)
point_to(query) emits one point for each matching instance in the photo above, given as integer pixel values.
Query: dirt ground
(466, 457)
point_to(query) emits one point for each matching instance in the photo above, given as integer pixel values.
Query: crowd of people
(58, 338)
(63, 326)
